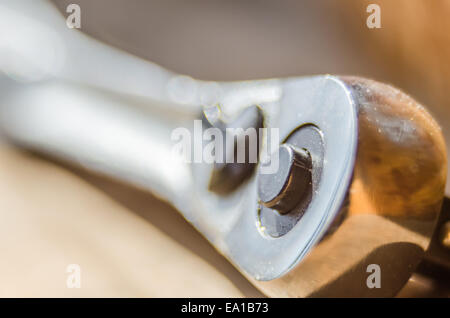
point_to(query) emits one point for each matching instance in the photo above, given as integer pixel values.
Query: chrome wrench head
(265, 243)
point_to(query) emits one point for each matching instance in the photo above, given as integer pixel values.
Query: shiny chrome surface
(378, 163)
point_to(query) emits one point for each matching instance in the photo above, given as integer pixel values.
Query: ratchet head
(362, 170)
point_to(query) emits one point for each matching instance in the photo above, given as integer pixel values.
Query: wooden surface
(127, 243)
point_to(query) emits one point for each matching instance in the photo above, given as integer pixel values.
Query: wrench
(376, 158)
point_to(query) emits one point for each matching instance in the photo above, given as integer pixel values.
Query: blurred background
(209, 40)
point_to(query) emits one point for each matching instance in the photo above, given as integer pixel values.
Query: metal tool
(362, 165)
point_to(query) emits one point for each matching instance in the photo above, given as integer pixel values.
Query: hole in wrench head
(276, 223)
(232, 169)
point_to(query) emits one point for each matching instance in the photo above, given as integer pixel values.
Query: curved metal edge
(325, 102)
